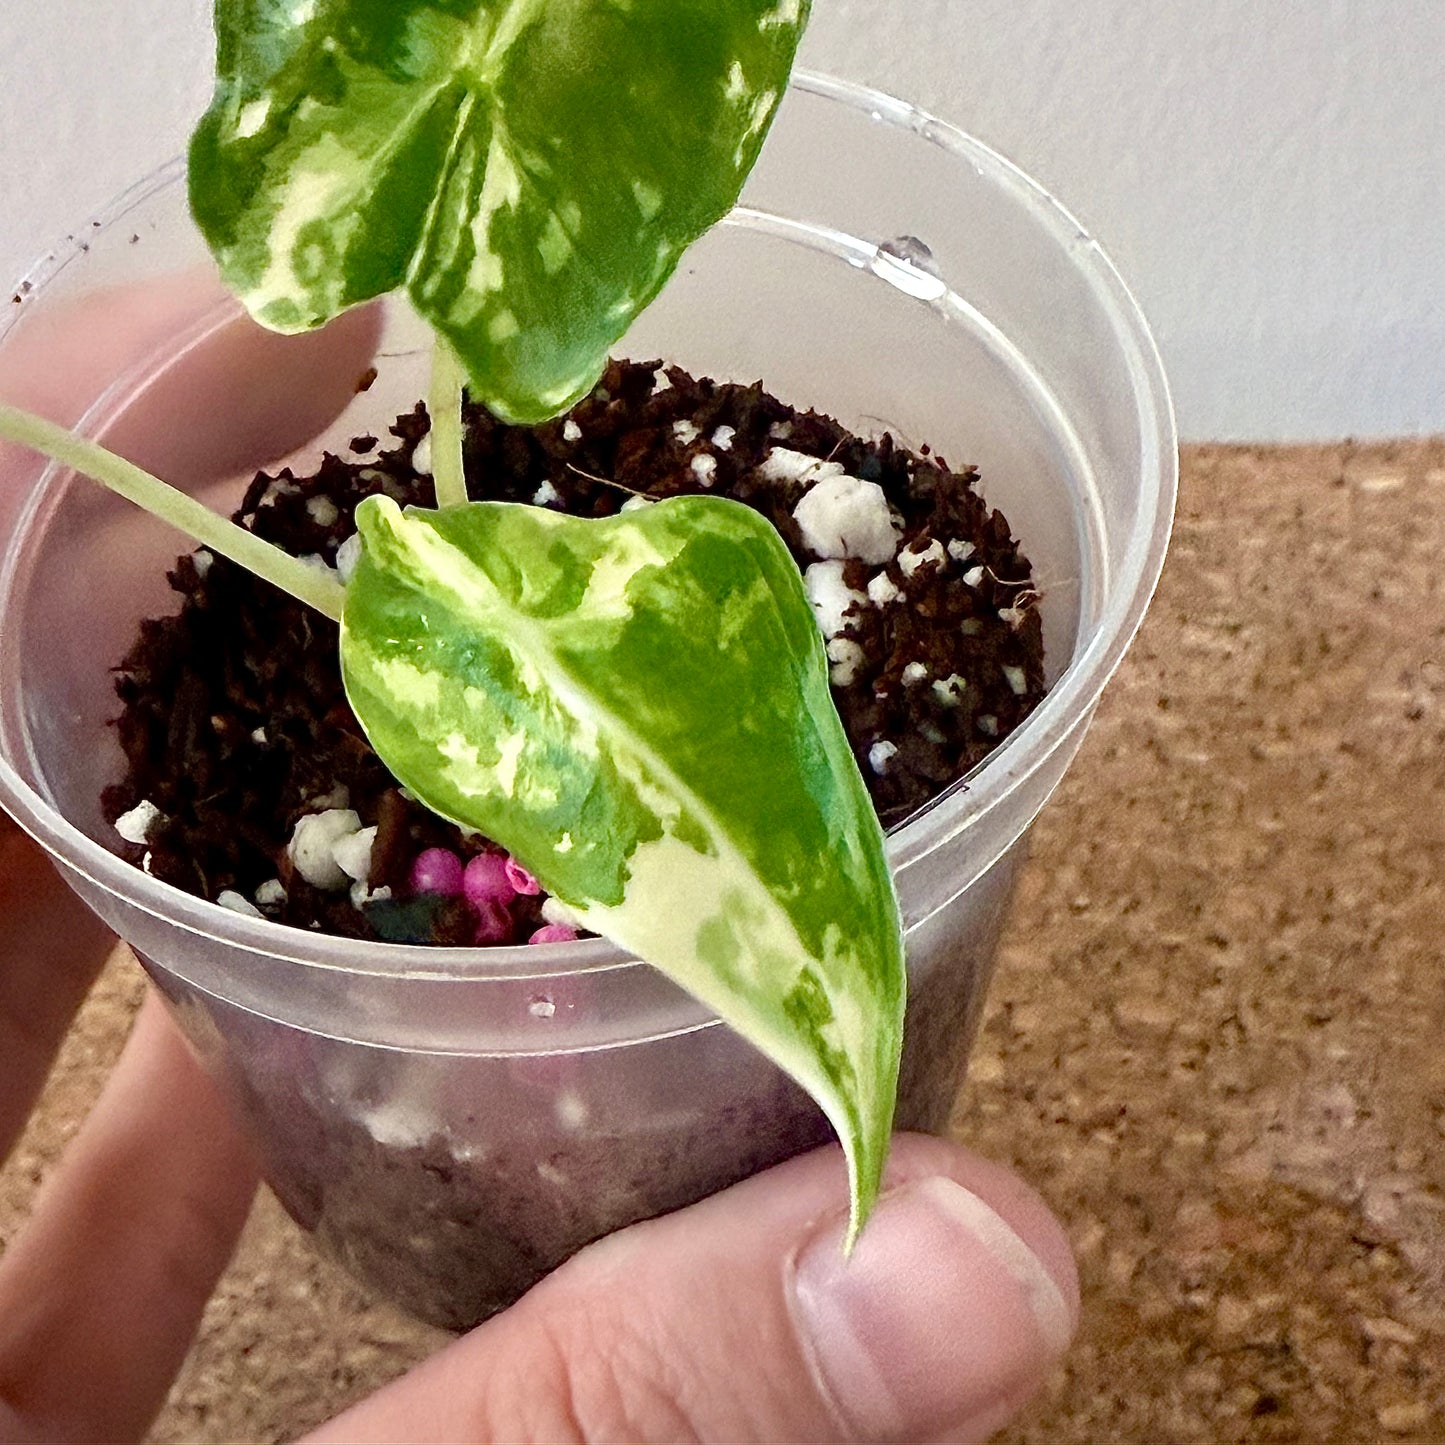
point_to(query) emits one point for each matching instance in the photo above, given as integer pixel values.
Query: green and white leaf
(638, 709)
(530, 170)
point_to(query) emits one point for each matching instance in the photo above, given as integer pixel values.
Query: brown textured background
(1215, 1037)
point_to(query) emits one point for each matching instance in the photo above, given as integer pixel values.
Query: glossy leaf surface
(638, 708)
(530, 170)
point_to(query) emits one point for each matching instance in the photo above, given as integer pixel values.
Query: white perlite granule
(352, 853)
(913, 674)
(312, 847)
(704, 468)
(400, 1121)
(910, 561)
(880, 755)
(135, 825)
(831, 597)
(882, 590)
(950, 689)
(1014, 676)
(722, 438)
(783, 465)
(847, 657)
(685, 431)
(973, 577)
(270, 894)
(571, 1110)
(322, 510)
(278, 488)
(843, 516)
(545, 495)
(238, 903)
(635, 504)
(960, 551)
(421, 457)
(571, 432)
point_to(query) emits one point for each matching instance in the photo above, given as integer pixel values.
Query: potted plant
(453, 1122)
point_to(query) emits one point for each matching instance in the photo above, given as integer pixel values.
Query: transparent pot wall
(449, 1182)
(453, 1123)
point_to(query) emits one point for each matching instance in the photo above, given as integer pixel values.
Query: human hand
(101, 1295)
(735, 1319)
(739, 1319)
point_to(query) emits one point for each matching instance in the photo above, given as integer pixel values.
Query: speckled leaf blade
(638, 708)
(531, 170)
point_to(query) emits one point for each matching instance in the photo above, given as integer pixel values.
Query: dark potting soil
(234, 723)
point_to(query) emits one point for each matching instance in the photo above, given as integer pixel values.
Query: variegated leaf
(531, 170)
(638, 708)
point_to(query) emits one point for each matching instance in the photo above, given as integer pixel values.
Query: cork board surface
(1213, 1040)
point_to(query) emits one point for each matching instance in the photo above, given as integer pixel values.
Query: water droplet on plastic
(905, 262)
(541, 1008)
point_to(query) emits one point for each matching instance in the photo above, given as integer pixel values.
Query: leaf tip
(865, 1183)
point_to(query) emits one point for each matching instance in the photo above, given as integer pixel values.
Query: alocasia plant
(531, 171)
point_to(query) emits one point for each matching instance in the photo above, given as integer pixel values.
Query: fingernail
(942, 1315)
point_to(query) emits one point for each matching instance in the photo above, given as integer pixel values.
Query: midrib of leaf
(479, 599)
(514, 19)
(480, 77)
(434, 207)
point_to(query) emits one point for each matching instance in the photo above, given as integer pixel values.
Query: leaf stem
(303, 581)
(445, 406)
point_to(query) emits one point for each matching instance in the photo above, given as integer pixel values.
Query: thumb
(739, 1319)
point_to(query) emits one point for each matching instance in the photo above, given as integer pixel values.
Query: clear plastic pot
(453, 1123)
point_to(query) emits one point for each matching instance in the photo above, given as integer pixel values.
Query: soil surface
(1213, 1039)
(235, 724)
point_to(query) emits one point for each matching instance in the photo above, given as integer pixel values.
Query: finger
(101, 1294)
(208, 396)
(51, 948)
(223, 396)
(233, 398)
(739, 1319)
(241, 397)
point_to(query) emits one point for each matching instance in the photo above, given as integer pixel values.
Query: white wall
(1268, 174)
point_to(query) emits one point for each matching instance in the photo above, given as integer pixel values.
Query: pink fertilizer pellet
(485, 880)
(437, 870)
(520, 879)
(553, 933)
